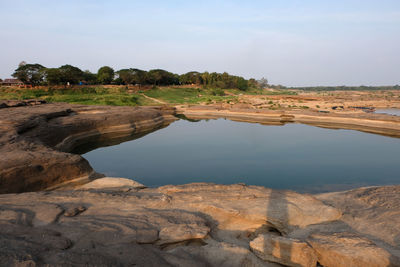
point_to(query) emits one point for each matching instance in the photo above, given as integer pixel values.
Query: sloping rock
(215, 253)
(242, 207)
(36, 141)
(349, 249)
(286, 251)
(188, 225)
(374, 211)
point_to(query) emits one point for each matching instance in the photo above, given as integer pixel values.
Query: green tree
(105, 75)
(132, 76)
(192, 77)
(89, 78)
(127, 76)
(70, 74)
(242, 84)
(52, 76)
(161, 77)
(139, 76)
(253, 83)
(205, 76)
(32, 74)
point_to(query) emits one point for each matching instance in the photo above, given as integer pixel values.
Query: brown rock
(239, 207)
(111, 182)
(373, 211)
(71, 212)
(182, 232)
(349, 249)
(35, 141)
(286, 251)
(45, 213)
(187, 225)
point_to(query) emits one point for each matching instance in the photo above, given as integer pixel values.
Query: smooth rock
(179, 233)
(283, 250)
(185, 225)
(349, 249)
(374, 211)
(36, 141)
(111, 182)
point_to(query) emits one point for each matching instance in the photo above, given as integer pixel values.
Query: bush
(217, 92)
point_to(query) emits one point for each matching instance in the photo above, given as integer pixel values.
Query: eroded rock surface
(286, 251)
(349, 249)
(186, 225)
(370, 123)
(36, 141)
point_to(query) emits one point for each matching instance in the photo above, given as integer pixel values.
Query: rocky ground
(367, 122)
(344, 102)
(117, 222)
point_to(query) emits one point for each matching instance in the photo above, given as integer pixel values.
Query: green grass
(119, 96)
(86, 96)
(174, 95)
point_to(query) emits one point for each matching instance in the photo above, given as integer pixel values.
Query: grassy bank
(175, 95)
(118, 96)
(121, 96)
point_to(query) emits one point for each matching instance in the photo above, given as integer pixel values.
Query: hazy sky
(290, 42)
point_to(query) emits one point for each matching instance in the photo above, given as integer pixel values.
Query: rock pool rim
(36, 140)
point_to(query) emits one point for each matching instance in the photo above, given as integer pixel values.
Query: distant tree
(127, 76)
(205, 76)
(253, 83)
(227, 81)
(70, 74)
(139, 76)
(161, 77)
(52, 76)
(263, 83)
(32, 74)
(192, 77)
(155, 76)
(242, 84)
(89, 78)
(105, 75)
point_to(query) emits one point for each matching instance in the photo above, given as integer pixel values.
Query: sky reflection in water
(294, 156)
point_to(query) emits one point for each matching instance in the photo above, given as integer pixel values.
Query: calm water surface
(294, 156)
(390, 111)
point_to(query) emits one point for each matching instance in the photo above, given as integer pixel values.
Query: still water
(294, 156)
(390, 111)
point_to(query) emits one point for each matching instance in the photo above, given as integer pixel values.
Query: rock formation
(121, 223)
(35, 141)
(370, 123)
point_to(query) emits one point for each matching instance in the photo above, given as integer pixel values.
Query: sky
(289, 42)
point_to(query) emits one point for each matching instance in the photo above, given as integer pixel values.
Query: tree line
(36, 74)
